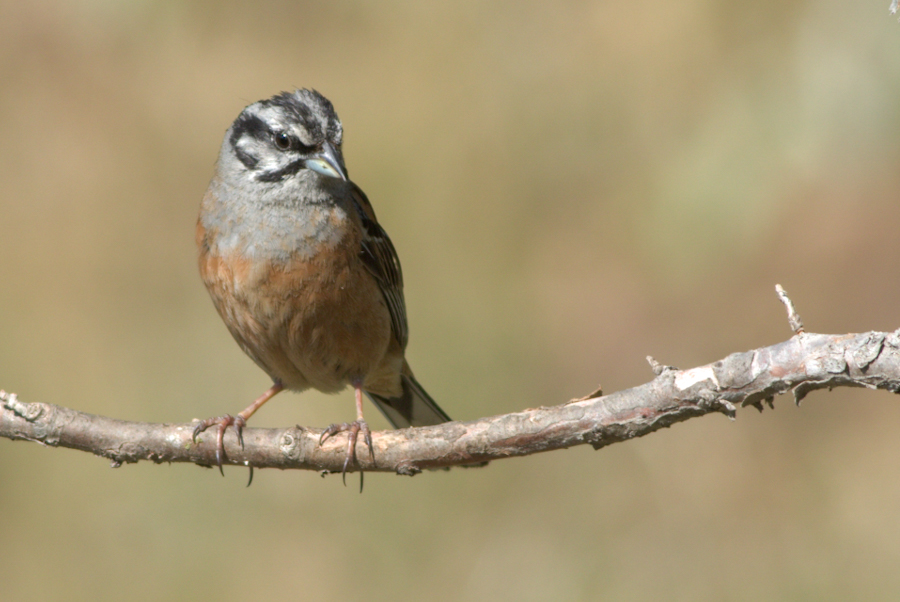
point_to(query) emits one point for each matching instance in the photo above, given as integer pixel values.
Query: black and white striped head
(276, 140)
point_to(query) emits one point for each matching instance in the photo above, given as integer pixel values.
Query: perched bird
(306, 280)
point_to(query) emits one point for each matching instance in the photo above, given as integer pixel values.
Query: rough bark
(803, 363)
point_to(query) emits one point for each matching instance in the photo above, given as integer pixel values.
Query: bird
(305, 278)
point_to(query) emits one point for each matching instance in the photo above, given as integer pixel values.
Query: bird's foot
(223, 422)
(238, 422)
(353, 430)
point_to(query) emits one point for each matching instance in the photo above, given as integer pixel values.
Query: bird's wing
(380, 257)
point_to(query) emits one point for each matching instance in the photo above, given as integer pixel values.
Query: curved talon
(203, 425)
(220, 442)
(223, 422)
(367, 437)
(353, 429)
(333, 430)
(352, 434)
(239, 423)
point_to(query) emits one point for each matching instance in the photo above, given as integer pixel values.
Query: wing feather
(380, 258)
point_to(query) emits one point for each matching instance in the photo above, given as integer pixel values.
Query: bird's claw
(353, 429)
(222, 423)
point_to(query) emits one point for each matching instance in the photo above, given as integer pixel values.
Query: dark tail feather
(413, 407)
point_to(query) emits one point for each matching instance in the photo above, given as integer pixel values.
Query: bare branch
(804, 363)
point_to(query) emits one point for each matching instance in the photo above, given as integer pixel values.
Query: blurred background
(571, 187)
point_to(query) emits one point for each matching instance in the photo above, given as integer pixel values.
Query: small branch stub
(657, 367)
(793, 317)
(26, 411)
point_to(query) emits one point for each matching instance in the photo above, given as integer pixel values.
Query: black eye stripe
(252, 125)
(284, 142)
(279, 174)
(249, 124)
(246, 124)
(303, 148)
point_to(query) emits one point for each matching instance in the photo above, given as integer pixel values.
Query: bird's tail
(413, 407)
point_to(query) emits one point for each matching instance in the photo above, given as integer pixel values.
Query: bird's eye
(282, 141)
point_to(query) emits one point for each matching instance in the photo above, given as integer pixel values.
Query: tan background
(570, 187)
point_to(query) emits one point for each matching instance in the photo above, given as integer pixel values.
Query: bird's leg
(238, 422)
(353, 430)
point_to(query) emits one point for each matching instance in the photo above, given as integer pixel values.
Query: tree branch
(803, 363)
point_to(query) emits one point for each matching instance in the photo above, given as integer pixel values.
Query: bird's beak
(328, 162)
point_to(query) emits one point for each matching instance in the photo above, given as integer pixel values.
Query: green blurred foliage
(571, 187)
